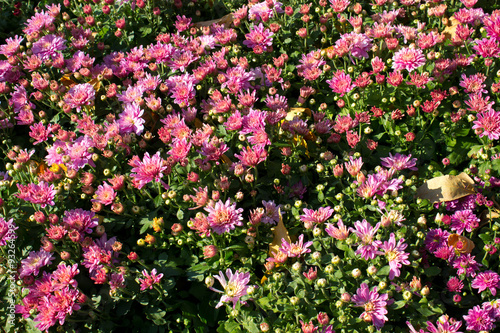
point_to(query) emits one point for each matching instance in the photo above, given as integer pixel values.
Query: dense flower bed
(320, 166)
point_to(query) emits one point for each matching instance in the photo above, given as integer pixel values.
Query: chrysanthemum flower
(478, 319)
(373, 303)
(368, 248)
(295, 249)
(80, 95)
(259, 36)
(224, 217)
(487, 280)
(488, 123)
(341, 83)
(149, 279)
(340, 233)
(149, 169)
(409, 59)
(34, 262)
(319, 216)
(235, 287)
(399, 162)
(7, 233)
(395, 255)
(105, 194)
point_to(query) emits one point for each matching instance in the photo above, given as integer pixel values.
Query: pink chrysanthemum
(478, 319)
(341, 83)
(251, 156)
(149, 279)
(224, 217)
(368, 248)
(48, 46)
(131, 120)
(487, 280)
(296, 249)
(149, 169)
(259, 36)
(409, 59)
(464, 220)
(34, 262)
(11, 46)
(399, 162)
(7, 231)
(80, 95)
(234, 287)
(488, 123)
(373, 303)
(395, 255)
(105, 194)
(41, 193)
(80, 220)
(454, 285)
(319, 216)
(340, 233)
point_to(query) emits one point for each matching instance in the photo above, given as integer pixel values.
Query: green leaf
(384, 271)
(180, 214)
(321, 196)
(146, 224)
(158, 201)
(432, 271)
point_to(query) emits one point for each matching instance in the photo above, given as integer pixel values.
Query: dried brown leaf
(226, 20)
(279, 233)
(297, 112)
(446, 188)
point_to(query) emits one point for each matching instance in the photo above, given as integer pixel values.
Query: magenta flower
(442, 326)
(105, 194)
(488, 123)
(35, 260)
(395, 254)
(224, 217)
(409, 59)
(341, 83)
(464, 220)
(80, 95)
(399, 162)
(373, 303)
(80, 220)
(466, 264)
(454, 285)
(42, 193)
(435, 239)
(234, 287)
(149, 279)
(319, 216)
(296, 249)
(478, 319)
(11, 46)
(368, 248)
(260, 37)
(149, 169)
(487, 280)
(7, 231)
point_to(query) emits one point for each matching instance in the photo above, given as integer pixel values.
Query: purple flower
(435, 239)
(234, 288)
(373, 303)
(399, 162)
(395, 254)
(81, 220)
(224, 217)
(487, 280)
(368, 248)
(357, 44)
(35, 261)
(295, 249)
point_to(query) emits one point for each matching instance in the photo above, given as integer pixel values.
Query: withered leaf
(486, 216)
(226, 20)
(446, 188)
(297, 112)
(461, 244)
(279, 233)
(451, 28)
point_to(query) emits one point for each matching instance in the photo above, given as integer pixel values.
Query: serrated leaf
(446, 188)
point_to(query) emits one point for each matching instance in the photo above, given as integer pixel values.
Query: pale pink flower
(341, 232)
(234, 287)
(296, 249)
(80, 95)
(224, 217)
(395, 255)
(409, 59)
(149, 169)
(105, 194)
